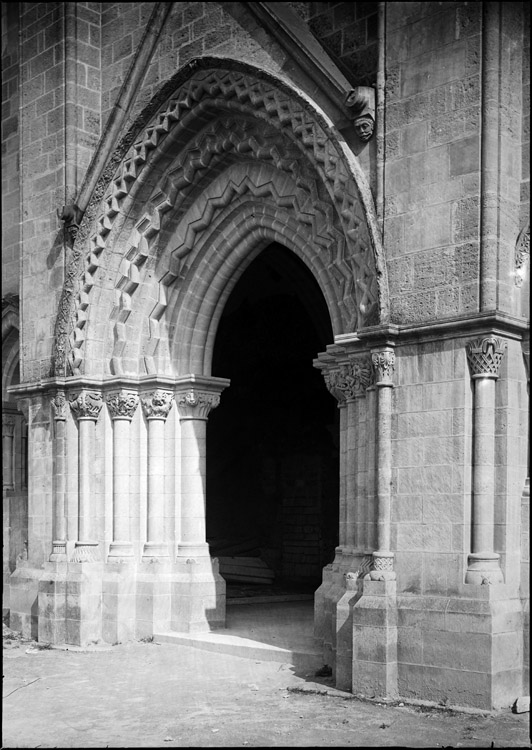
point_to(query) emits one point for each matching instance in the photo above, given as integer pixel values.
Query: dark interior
(272, 444)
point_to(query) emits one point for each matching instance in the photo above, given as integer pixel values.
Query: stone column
(484, 356)
(333, 381)
(156, 405)
(86, 407)
(194, 405)
(122, 405)
(8, 432)
(383, 363)
(59, 534)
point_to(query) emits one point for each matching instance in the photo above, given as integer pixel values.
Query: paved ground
(165, 695)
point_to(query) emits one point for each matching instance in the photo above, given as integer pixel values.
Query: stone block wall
(10, 146)
(348, 31)
(431, 481)
(432, 443)
(432, 146)
(59, 127)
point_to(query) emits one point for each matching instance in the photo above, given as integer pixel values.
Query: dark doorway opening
(272, 444)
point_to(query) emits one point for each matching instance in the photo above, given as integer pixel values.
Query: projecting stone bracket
(361, 103)
(71, 216)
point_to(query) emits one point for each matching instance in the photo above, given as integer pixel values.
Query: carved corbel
(71, 217)
(361, 103)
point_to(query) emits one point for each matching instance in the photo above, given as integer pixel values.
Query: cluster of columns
(8, 451)
(195, 397)
(368, 378)
(352, 378)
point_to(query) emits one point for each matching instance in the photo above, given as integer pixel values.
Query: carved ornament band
(384, 366)
(485, 356)
(195, 404)
(122, 404)
(86, 405)
(157, 404)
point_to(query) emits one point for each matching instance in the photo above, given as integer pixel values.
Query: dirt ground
(161, 695)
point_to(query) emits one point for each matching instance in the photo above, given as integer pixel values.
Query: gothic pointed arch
(224, 160)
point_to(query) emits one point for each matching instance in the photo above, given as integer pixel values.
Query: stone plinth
(197, 595)
(464, 651)
(374, 665)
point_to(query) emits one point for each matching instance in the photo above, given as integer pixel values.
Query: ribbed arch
(216, 118)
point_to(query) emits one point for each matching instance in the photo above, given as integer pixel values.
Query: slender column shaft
(59, 531)
(85, 444)
(59, 522)
(156, 406)
(8, 430)
(155, 480)
(194, 405)
(483, 466)
(86, 407)
(193, 441)
(484, 356)
(122, 405)
(342, 521)
(121, 473)
(384, 466)
(351, 469)
(384, 364)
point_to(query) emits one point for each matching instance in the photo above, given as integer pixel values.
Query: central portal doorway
(272, 444)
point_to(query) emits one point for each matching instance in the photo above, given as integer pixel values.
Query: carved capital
(86, 404)
(157, 404)
(59, 406)
(196, 404)
(122, 404)
(384, 365)
(8, 426)
(350, 380)
(485, 356)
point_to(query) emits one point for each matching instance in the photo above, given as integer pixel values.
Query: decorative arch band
(197, 95)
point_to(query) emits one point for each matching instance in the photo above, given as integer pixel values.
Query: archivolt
(191, 105)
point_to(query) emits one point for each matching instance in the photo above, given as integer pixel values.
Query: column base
(59, 552)
(119, 550)
(155, 549)
(383, 566)
(484, 568)
(192, 549)
(86, 551)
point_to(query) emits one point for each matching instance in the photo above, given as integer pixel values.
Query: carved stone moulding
(484, 356)
(349, 380)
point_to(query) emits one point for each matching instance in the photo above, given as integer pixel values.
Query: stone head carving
(364, 127)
